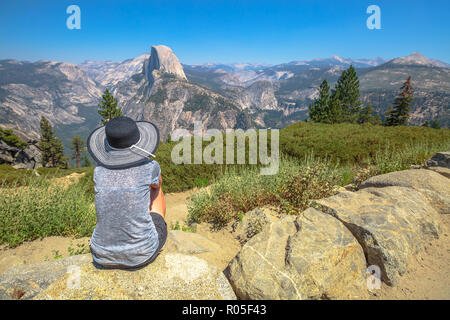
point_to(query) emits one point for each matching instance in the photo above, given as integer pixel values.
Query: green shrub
(177, 178)
(10, 138)
(312, 171)
(185, 228)
(292, 188)
(87, 182)
(200, 182)
(9, 176)
(349, 144)
(350, 148)
(12, 176)
(60, 172)
(42, 209)
(81, 248)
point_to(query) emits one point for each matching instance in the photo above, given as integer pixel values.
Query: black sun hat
(123, 142)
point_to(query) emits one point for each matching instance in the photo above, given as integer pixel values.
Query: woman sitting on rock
(129, 202)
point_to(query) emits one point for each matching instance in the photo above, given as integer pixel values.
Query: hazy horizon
(219, 62)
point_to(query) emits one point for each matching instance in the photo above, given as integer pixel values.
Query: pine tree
(334, 114)
(57, 150)
(77, 145)
(367, 115)
(376, 120)
(389, 117)
(85, 159)
(51, 146)
(399, 114)
(318, 112)
(347, 92)
(108, 107)
(46, 139)
(435, 124)
(426, 124)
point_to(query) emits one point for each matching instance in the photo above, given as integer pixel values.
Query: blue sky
(223, 31)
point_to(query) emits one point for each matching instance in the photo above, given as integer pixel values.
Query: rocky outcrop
(435, 187)
(440, 159)
(324, 254)
(441, 170)
(439, 163)
(26, 281)
(172, 276)
(312, 256)
(28, 158)
(253, 223)
(164, 60)
(177, 273)
(391, 224)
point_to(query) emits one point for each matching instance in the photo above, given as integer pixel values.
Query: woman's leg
(158, 203)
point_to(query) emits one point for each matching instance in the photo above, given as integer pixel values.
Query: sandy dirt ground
(176, 211)
(38, 250)
(428, 275)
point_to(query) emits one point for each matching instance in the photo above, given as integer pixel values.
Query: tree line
(52, 149)
(342, 104)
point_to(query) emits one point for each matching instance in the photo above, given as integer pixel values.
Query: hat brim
(113, 158)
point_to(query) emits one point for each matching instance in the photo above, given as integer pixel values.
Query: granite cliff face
(162, 94)
(171, 103)
(431, 85)
(43, 88)
(256, 97)
(164, 60)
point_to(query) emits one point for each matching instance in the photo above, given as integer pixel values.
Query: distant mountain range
(56, 90)
(419, 59)
(109, 73)
(159, 88)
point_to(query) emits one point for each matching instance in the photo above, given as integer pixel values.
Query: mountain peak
(336, 57)
(162, 58)
(416, 58)
(417, 54)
